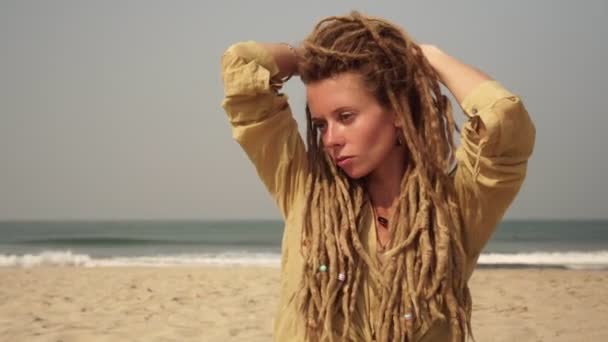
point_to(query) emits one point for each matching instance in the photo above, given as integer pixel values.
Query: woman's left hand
(457, 76)
(431, 53)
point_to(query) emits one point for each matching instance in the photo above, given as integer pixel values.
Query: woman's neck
(384, 183)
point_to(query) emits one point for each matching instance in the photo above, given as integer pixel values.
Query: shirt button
(474, 110)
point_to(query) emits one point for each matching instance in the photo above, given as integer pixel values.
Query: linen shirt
(490, 171)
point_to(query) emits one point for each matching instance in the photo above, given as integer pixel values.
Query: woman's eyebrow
(338, 110)
(342, 109)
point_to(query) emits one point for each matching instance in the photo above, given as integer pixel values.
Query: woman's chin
(353, 173)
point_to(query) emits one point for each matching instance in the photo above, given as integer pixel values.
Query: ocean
(563, 244)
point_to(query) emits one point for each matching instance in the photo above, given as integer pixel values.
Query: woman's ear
(397, 120)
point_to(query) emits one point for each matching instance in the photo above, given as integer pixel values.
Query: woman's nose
(333, 137)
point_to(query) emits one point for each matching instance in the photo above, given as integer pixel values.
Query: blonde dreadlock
(425, 259)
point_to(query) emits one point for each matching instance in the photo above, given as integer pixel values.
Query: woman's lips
(342, 162)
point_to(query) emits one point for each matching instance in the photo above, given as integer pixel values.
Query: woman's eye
(346, 116)
(319, 126)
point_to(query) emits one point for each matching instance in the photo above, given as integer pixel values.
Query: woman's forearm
(457, 76)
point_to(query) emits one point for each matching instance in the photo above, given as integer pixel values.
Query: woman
(382, 232)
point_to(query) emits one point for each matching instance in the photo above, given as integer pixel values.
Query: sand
(237, 304)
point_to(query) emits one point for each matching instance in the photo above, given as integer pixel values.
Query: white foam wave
(67, 258)
(578, 260)
(575, 260)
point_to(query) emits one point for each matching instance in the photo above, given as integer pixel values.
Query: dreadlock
(423, 272)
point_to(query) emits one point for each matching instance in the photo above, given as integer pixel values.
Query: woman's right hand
(285, 56)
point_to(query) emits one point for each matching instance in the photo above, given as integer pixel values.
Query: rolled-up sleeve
(496, 143)
(262, 121)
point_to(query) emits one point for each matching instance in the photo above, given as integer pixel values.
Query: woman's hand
(285, 56)
(457, 76)
(430, 52)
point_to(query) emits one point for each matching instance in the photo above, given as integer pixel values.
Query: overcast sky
(111, 109)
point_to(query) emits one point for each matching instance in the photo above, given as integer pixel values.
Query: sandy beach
(237, 304)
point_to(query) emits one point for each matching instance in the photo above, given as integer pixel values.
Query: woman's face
(356, 131)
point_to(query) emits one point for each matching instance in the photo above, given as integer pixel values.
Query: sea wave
(68, 258)
(571, 260)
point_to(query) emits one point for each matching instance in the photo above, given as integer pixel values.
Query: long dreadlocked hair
(423, 272)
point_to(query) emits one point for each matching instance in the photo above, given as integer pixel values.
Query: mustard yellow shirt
(491, 169)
